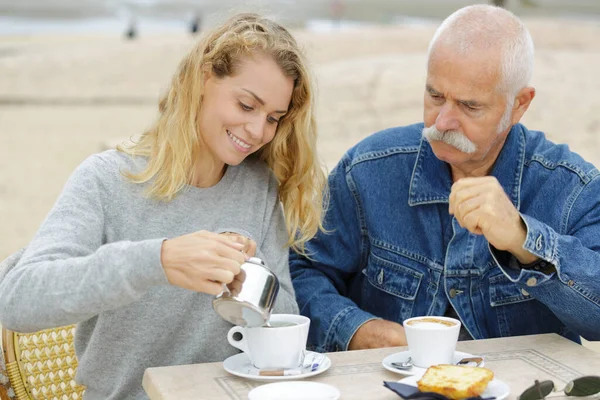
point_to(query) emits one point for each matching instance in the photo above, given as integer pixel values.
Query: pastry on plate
(454, 381)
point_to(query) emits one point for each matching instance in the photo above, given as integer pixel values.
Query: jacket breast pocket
(514, 308)
(391, 288)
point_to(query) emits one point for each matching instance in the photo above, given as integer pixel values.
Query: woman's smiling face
(240, 113)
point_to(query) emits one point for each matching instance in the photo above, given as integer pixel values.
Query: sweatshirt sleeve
(69, 273)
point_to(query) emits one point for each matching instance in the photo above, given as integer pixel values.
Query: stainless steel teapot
(251, 304)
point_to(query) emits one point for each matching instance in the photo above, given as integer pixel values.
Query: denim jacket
(394, 252)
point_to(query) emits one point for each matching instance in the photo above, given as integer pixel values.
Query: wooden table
(360, 375)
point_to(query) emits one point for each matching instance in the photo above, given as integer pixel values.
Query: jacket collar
(431, 180)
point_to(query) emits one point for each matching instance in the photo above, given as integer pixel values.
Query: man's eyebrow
(471, 103)
(262, 102)
(431, 90)
(468, 103)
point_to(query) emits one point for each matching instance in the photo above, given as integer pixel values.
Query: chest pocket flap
(393, 278)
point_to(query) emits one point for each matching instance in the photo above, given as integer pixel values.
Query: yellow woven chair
(42, 365)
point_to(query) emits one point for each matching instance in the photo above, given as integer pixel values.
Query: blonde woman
(133, 252)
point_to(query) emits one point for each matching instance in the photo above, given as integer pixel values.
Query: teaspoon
(405, 365)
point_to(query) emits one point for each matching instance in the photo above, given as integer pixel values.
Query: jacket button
(531, 282)
(453, 293)
(524, 292)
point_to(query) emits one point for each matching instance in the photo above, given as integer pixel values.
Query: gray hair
(481, 26)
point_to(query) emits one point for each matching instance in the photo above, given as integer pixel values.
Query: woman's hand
(203, 261)
(235, 287)
(249, 244)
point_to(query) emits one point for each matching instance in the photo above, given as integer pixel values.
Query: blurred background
(43, 16)
(78, 76)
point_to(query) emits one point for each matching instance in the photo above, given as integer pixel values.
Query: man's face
(462, 103)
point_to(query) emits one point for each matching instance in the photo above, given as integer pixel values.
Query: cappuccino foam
(431, 323)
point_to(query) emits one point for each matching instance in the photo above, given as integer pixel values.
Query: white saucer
(496, 388)
(294, 391)
(403, 356)
(240, 365)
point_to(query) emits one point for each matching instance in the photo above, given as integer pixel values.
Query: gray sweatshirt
(95, 261)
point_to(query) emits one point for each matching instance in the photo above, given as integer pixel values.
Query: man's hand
(481, 206)
(378, 333)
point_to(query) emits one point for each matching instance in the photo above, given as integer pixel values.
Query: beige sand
(368, 79)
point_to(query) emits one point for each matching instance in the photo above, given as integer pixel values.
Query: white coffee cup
(431, 340)
(279, 346)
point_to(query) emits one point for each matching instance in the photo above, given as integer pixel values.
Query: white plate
(294, 391)
(240, 365)
(496, 388)
(403, 356)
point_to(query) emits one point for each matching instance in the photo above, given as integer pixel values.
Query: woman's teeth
(238, 141)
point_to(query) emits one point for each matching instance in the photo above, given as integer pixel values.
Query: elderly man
(469, 215)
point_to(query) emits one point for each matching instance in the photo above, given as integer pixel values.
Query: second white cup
(279, 346)
(431, 340)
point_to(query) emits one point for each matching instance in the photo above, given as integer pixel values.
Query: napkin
(402, 389)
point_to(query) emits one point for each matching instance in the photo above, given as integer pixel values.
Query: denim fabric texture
(394, 252)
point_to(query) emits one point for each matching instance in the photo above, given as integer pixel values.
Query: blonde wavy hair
(172, 144)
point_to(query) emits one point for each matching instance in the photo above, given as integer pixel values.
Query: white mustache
(455, 139)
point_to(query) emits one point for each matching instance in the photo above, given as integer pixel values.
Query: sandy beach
(64, 97)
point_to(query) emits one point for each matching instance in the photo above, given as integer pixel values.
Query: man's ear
(522, 102)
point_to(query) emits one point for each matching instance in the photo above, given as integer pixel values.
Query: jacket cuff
(344, 326)
(509, 265)
(541, 241)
